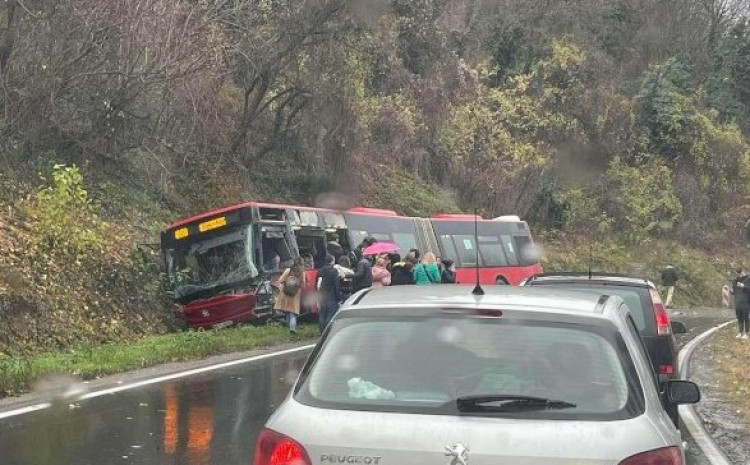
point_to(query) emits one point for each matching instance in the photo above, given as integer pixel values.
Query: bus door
(311, 241)
(278, 246)
(336, 231)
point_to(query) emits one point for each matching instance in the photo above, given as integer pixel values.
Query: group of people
(337, 279)
(388, 269)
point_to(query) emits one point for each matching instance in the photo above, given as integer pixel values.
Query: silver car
(435, 375)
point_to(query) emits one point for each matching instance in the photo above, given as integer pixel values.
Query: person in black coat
(448, 275)
(362, 278)
(741, 291)
(669, 281)
(329, 292)
(402, 273)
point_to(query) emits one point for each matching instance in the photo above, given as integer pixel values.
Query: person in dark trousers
(741, 291)
(448, 276)
(362, 278)
(329, 292)
(669, 281)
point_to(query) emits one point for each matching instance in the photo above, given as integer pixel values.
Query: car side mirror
(678, 328)
(683, 392)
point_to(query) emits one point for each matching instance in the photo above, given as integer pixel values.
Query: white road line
(689, 417)
(156, 380)
(22, 411)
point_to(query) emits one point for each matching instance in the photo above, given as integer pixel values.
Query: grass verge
(729, 357)
(17, 375)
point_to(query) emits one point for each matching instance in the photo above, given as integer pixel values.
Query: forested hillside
(623, 122)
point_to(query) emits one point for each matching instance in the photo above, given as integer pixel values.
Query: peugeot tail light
(665, 456)
(663, 327)
(274, 448)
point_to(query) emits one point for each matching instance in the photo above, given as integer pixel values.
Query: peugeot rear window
(637, 299)
(425, 365)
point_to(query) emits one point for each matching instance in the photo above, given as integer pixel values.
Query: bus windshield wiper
(506, 402)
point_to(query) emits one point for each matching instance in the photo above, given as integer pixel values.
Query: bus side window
(448, 249)
(466, 248)
(510, 250)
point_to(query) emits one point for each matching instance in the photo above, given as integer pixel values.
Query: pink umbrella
(380, 247)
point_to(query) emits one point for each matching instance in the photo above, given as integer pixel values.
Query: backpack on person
(292, 285)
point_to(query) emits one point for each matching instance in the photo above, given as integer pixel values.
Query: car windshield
(212, 262)
(637, 299)
(428, 364)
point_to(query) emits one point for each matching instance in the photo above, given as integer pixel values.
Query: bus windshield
(500, 243)
(213, 262)
(383, 228)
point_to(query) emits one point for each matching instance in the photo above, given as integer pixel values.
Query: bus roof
(355, 210)
(212, 213)
(239, 206)
(456, 217)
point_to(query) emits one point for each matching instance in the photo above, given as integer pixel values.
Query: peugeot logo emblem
(459, 454)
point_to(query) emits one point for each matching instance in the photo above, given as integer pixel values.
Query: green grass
(17, 375)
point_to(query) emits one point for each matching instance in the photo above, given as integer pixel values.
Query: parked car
(435, 374)
(649, 314)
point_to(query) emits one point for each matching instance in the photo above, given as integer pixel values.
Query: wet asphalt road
(211, 418)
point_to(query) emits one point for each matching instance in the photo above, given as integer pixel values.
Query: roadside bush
(67, 221)
(641, 200)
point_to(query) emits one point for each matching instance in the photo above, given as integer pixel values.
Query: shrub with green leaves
(641, 199)
(68, 221)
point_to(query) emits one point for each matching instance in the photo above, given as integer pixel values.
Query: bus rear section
(503, 246)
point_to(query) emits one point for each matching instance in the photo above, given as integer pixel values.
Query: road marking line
(24, 410)
(158, 379)
(687, 412)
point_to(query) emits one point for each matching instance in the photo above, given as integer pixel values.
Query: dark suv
(641, 297)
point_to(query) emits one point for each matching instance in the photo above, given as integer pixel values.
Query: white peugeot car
(435, 375)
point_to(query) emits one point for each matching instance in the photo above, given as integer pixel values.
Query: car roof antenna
(477, 288)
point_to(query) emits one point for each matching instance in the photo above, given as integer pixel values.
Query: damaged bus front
(220, 265)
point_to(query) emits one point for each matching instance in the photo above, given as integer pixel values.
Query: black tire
(500, 281)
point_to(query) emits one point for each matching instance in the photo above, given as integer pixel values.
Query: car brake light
(663, 327)
(666, 456)
(666, 369)
(274, 448)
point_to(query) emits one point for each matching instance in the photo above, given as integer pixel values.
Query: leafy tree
(640, 200)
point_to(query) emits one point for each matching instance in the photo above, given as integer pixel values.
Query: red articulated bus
(221, 266)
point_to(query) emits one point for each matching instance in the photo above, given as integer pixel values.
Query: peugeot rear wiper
(512, 402)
